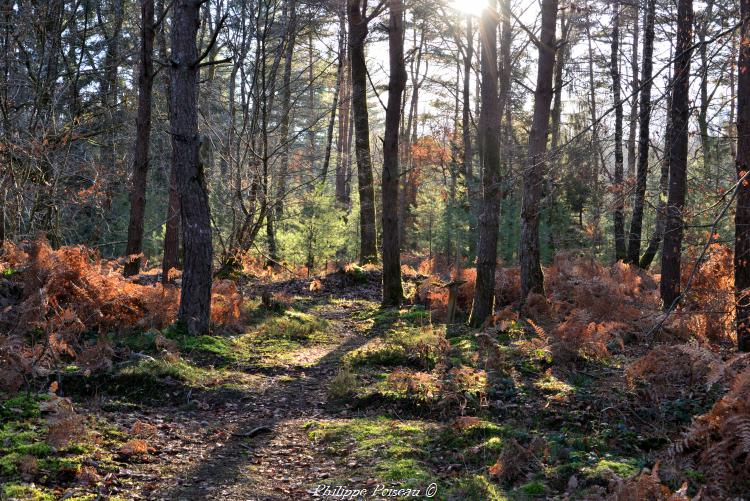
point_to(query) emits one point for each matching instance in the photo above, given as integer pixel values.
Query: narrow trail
(253, 447)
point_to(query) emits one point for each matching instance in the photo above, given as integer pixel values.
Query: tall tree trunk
(408, 191)
(732, 100)
(473, 202)
(109, 84)
(556, 117)
(348, 143)
(4, 194)
(742, 216)
(392, 289)
(357, 34)
(342, 199)
(54, 11)
(286, 109)
(618, 214)
(677, 151)
(644, 117)
(634, 90)
(142, 137)
(532, 279)
(661, 210)
(597, 153)
(195, 297)
(331, 123)
(288, 23)
(703, 30)
(557, 80)
(504, 80)
(171, 257)
(489, 131)
(466, 105)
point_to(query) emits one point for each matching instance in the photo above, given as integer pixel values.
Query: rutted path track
(254, 446)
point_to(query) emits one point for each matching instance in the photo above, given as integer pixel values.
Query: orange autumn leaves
(72, 300)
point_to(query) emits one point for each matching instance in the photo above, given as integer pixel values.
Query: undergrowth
(46, 453)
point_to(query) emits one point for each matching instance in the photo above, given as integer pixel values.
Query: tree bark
(489, 147)
(171, 257)
(597, 153)
(705, 101)
(742, 216)
(644, 118)
(408, 138)
(288, 24)
(635, 89)
(732, 99)
(555, 124)
(392, 289)
(332, 123)
(4, 194)
(342, 197)
(142, 137)
(357, 34)
(466, 105)
(108, 86)
(286, 108)
(195, 297)
(312, 117)
(618, 215)
(677, 151)
(661, 209)
(532, 279)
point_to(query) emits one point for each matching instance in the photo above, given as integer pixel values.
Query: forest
(375, 249)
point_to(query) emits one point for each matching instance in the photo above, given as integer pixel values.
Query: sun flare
(471, 7)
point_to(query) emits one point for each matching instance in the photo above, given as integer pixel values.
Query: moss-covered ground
(352, 394)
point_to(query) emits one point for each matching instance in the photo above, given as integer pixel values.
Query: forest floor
(322, 393)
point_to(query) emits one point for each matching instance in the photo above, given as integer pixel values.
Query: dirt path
(253, 447)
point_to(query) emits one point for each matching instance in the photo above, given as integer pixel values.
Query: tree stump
(452, 287)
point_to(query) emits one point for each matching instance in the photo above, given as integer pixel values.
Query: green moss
(464, 348)
(19, 407)
(533, 489)
(270, 335)
(399, 448)
(24, 436)
(378, 352)
(159, 369)
(409, 388)
(695, 476)
(416, 314)
(343, 384)
(17, 434)
(476, 488)
(38, 449)
(553, 386)
(492, 446)
(356, 273)
(278, 338)
(149, 375)
(404, 451)
(453, 438)
(419, 347)
(21, 432)
(13, 491)
(137, 341)
(9, 463)
(9, 272)
(209, 344)
(294, 325)
(623, 468)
